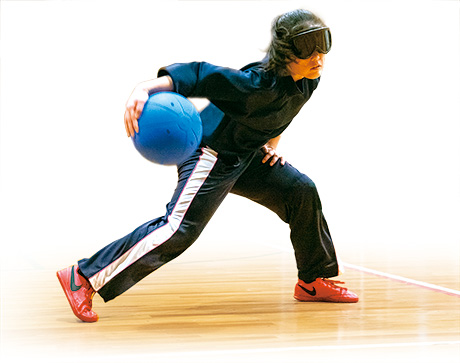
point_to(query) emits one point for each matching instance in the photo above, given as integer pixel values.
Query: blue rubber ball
(169, 129)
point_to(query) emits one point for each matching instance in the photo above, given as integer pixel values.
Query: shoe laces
(334, 283)
(89, 294)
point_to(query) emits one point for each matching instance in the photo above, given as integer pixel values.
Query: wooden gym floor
(211, 307)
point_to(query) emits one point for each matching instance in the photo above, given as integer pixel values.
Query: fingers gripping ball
(169, 129)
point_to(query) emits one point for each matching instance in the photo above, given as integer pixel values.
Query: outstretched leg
(204, 181)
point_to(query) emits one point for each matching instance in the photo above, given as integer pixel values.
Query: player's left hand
(272, 155)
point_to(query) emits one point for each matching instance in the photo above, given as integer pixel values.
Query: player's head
(296, 35)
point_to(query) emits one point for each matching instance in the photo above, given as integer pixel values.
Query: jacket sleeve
(201, 79)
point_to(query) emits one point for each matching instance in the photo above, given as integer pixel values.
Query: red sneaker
(79, 293)
(324, 290)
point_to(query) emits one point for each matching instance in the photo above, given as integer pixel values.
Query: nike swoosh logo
(309, 292)
(73, 286)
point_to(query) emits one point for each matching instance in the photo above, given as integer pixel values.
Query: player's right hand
(134, 107)
(272, 155)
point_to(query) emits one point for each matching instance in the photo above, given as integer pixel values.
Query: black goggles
(307, 42)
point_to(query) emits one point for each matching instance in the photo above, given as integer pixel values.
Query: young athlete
(248, 111)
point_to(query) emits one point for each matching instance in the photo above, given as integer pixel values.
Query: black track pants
(204, 181)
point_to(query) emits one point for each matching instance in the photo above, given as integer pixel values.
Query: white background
(380, 137)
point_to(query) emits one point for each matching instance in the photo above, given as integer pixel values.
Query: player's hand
(272, 155)
(134, 107)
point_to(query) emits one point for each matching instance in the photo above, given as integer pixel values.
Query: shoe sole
(332, 300)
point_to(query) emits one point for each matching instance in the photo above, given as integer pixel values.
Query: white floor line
(405, 280)
(425, 285)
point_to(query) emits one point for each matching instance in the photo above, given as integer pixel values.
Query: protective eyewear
(307, 42)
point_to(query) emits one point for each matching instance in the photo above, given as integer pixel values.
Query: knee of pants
(181, 240)
(304, 194)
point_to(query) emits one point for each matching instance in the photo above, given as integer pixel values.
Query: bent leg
(293, 196)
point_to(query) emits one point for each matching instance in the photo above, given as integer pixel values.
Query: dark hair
(281, 50)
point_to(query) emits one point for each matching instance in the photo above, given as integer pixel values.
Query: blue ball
(170, 129)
